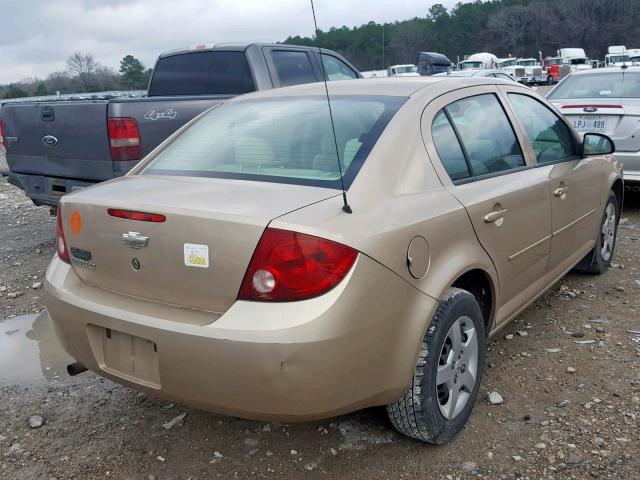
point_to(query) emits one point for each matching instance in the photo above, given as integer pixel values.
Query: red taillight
(1, 134)
(124, 139)
(289, 266)
(139, 216)
(61, 243)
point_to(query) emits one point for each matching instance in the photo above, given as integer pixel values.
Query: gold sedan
(275, 259)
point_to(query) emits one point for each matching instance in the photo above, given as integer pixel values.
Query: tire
(426, 411)
(598, 260)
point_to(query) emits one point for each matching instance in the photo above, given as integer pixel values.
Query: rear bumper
(351, 348)
(45, 190)
(631, 164)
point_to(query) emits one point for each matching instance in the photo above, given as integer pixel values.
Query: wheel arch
(618, 189)
(480, 284)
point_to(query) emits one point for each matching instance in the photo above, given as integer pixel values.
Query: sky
(37, 36)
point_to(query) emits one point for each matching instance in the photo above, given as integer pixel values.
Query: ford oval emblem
(590, 109)
(50, 140)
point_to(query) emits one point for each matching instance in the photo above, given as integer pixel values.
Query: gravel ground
(567, 368)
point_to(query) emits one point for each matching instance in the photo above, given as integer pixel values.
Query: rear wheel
(447, 377)
(599, 259)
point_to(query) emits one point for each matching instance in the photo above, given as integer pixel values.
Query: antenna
(345, 208)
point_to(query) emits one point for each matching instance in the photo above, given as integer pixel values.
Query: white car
(605, 100)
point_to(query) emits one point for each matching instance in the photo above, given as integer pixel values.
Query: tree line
(83, 74)
(520, 28)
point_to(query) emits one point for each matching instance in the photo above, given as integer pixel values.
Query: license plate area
(127, 356)
(590, 123)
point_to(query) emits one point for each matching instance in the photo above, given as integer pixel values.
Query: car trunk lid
(195, 258)
(615, 117)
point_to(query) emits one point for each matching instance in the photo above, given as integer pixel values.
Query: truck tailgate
(58, 139)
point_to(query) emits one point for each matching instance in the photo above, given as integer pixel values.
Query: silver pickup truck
(54, 147)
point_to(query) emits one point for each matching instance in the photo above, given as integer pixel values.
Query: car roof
(470, 72)
(232, 47)
(390, 86)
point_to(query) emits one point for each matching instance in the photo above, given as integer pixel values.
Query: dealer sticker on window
(196, 255)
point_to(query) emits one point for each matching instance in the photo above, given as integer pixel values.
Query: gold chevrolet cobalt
(224, 272)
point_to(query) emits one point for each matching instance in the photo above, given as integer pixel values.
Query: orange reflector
(138, 216)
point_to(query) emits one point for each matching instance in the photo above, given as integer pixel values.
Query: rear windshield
(202, 73)
(282, 140)
(599, 85)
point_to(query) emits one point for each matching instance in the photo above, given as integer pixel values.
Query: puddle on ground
(29, 350)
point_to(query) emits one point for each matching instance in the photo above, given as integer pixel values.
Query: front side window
(293, 68)
(487, 137)
(280, 140)
(550, 137)
(336, 69)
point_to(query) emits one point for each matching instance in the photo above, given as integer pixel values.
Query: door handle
(560, 192)
(493, 217)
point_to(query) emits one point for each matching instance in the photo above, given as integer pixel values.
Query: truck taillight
(289, 266)
(61, 243)
(124, 139)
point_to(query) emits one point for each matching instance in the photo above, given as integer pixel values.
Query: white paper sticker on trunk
(196, 255)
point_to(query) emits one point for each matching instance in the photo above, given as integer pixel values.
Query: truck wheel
(599, 259)
(448, 373)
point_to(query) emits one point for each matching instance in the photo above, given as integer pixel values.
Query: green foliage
(133, 72)
(15, 91)
(40, 91)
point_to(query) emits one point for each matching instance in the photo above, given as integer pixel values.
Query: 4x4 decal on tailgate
(153, 115)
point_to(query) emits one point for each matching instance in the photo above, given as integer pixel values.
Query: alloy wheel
(457, 368)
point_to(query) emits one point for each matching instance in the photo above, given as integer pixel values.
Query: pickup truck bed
(54, 147)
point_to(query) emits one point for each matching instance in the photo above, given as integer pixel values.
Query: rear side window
(448, 148)
(549, 135)
(202, 73)
(280, 140)
(293, 68)
(487, 138)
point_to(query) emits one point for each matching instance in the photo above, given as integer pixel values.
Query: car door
(575, 183)
(481, 162)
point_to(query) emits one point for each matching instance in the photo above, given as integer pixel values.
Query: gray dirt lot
(571, 410)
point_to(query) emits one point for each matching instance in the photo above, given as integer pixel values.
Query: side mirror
(597, 144)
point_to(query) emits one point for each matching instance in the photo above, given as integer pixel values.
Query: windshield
(508, 63)
(618, 59)
(599, 85)
(281, 140)
(466, 65)
(527, 63)
(634, 59)
(407, 69)
(202, 73)
(578, 61)
(554, 61)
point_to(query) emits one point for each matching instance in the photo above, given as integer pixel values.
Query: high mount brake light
(61, 243)
(290, 266)
(124, 139)
(591, 106)
(139, 216)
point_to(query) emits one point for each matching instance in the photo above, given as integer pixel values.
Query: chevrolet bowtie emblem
(134, 240)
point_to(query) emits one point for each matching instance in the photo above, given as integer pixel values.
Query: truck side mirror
(597, 144)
